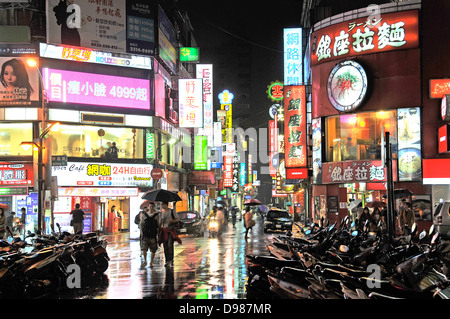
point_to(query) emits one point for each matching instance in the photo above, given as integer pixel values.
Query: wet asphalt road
(204, 268)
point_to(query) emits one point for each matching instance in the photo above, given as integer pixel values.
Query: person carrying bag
(168, 233)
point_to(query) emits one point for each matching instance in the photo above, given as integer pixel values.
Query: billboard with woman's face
(19, 82)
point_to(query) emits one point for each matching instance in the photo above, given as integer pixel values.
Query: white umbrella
(354, 204)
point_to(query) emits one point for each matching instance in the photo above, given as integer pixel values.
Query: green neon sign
(189, 54)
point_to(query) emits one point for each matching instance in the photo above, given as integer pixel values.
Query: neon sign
(96, 89)
(393, 31)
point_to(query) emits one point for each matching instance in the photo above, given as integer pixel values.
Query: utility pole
(390, 188)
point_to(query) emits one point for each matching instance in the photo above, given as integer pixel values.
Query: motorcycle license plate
(278, 226)
(182, 230)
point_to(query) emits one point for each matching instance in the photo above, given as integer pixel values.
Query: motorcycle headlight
(213, 224)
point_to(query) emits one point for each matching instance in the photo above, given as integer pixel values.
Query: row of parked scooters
(349, 262)
(46, 265)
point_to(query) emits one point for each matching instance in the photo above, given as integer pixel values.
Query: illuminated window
(358, 136)
(93, 141)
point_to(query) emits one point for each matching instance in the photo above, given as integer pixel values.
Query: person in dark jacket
(77, 219)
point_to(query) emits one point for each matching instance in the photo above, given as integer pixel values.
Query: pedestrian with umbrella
(168, 233)
(168, 221)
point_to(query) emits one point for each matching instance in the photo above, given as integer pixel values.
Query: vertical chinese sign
(200, 153)
(295, 126)
(205, 72)
(292, 40)
(226, 98)
(191, 102)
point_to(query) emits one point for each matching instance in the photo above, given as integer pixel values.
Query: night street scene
(221, 158)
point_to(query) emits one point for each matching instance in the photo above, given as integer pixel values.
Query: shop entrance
(118, 214)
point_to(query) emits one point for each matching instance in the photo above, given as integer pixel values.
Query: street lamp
(40, 147)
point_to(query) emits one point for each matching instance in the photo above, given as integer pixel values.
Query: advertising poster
(115, 26)
(295, 126)
(19, 82)
(409, 144)
(96, 89)
(317, 150)
(191, 102)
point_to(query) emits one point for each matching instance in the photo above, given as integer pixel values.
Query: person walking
(407, 217)
(248, 220)
(77, 219)
(220, 217)
(149, 227)
(168, 233)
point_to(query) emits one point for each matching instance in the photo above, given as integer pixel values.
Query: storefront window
(358, 136)
(94, 141)
(11, 135)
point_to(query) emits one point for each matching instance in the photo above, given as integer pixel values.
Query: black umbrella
(221, 202)
(400, 193)
(162, 195)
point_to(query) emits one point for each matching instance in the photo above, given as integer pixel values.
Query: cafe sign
(387, 32)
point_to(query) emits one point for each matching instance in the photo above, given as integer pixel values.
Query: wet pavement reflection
(204, 268)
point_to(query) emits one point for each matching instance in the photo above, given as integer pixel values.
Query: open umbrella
(376, 204)
(161, 195)
(355, 204)
(252, 202)
(4, 206)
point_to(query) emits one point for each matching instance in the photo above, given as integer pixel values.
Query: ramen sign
(387, 32)
(356, 172)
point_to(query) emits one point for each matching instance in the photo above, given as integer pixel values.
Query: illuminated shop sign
(295, 126)
(227, 173)
(275, 91)
(439, 87)
(445, 107)
(409, 144)
(13, 174)
(392, 31)
(79, 54)
(435, 171)
(79, 174)
(189, 54)
(293, 58)
(200, 152)
(205, 72)
(443, 134)
(226, 100)
(96, 89)
(356, 172)
(317, 150)
(190, 98)
(100, 192)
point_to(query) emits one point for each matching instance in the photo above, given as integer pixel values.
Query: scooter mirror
(422, 235)
(431, 230)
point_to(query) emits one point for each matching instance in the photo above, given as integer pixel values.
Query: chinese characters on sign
(391, 31)
(356, 172)
(205, 72)
(96, 89)
(191, 102)
(16, 174)
(295, 126)
(293, 59)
